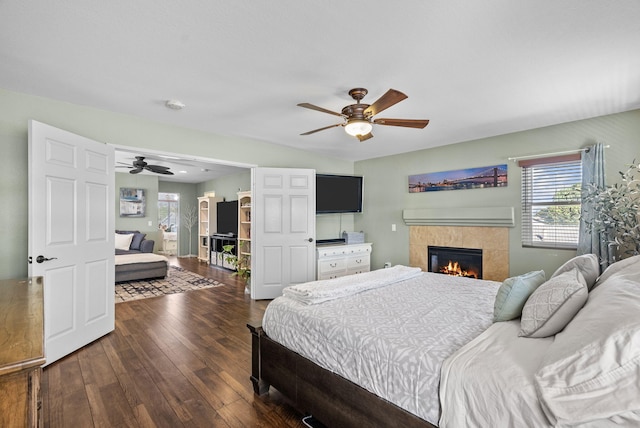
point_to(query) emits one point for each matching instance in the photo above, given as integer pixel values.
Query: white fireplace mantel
(460, 216)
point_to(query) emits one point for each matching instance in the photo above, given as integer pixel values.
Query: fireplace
(465, 262)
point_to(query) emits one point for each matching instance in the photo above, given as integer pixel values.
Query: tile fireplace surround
(494, 242)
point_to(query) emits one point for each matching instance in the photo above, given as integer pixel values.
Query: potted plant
(241, 264)
(617, 209)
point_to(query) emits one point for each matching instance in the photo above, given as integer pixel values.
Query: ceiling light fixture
(358, 127)
(174, 104)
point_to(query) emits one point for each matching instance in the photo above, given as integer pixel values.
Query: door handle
(310, 239)
(42, 258)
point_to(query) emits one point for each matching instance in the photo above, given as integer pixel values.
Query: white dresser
(340, 260)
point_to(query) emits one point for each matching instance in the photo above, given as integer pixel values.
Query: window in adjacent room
(551, 201)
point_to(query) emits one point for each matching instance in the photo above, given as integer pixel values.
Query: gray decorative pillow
(137, 240)
(552, 306)
(513, 294)
(588, 266)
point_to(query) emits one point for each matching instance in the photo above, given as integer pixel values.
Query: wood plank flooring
(172, 361)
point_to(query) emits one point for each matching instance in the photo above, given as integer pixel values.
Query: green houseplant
(241, 264)
(617, 209)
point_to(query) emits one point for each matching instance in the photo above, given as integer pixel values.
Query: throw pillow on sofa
(122, 241)
(137, 238)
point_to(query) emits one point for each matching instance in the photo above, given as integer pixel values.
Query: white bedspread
(125, 259)
(390, 340)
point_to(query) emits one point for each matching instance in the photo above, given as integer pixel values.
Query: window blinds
(551, 202)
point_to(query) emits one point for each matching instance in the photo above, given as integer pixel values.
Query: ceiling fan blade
(164, 172)
(392, 97)
(159, 169)
(135, 171)
(324, 110)
(155, 168)
(364, 137)
(408, 123)
(322, 129)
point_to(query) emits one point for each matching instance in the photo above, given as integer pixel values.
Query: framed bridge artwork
(471, 178)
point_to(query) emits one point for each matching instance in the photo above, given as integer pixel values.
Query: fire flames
(454, 269)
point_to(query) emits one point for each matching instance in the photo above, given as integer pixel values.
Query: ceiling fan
(358, 118)
(139, 164)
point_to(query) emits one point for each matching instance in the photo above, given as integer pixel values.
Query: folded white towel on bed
(314, 292)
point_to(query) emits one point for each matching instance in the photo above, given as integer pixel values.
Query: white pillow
(553, 305)
(588, 266)
(592, 369)
(123, 241)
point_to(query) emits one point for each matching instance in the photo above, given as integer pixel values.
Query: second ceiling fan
(358, 118)
(139, 165)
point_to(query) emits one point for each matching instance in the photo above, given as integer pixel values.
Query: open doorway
(168, 222)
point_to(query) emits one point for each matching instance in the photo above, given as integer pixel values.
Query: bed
(456, 367)
(134, 267)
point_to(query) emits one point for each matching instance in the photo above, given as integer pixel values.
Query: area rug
(178, 280)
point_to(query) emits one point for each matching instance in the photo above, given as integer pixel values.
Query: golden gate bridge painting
(472, 178)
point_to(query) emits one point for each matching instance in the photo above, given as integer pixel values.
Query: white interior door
(283, 229)
(71, 243)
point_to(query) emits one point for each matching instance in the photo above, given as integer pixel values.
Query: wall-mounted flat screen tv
(227, 218)
(338, 194)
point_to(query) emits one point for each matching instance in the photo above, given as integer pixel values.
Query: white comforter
(390, 340)
(489, 383)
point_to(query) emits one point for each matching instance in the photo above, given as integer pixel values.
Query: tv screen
(227, 218)
(338, 194)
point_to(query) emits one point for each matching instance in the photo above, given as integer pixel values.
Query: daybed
(561, 352)
(134, 258)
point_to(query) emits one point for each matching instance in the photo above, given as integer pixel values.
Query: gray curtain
(593, 172)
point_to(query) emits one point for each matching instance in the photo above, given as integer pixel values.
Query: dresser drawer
(358, 261)
(332, 265)
(332, 275)
(331, 252)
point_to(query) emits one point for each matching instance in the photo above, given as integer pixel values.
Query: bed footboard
(332, 399)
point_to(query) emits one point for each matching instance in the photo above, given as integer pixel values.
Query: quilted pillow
(588, 266)
(591, 371)
(553, 305)
(513, 294)
(123, 242)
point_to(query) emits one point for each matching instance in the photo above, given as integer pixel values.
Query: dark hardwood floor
(172, 361)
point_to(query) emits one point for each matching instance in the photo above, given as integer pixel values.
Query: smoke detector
(174, 104)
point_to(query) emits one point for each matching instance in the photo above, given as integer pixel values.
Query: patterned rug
(178, 280)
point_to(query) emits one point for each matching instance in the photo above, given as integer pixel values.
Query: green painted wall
(385, 178)
(150, 184)
(118, 129)
(386, 182)
(188, 194)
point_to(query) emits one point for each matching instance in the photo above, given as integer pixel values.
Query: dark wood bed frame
(330, 398)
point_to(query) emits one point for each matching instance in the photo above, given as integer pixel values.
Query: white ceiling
(474, 68)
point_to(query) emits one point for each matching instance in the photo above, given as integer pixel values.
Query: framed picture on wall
(132, 202)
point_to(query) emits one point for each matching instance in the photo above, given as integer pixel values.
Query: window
(551, 201)
(168, 211)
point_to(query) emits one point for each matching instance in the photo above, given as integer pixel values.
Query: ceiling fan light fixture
(358, 127)
(174, 104)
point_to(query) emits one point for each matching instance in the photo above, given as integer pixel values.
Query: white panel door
(283, 229)
(71, 236)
